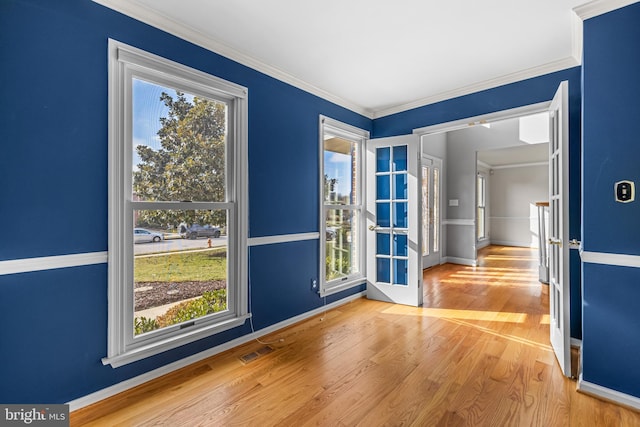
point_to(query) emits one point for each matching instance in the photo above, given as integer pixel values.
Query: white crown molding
(512, 113)
(599, 7)
(550, 67)
(618, 260)
(27, 265)
(176, 28)
(520, 165)
(484, 165)
(577, 37)
(171, 26)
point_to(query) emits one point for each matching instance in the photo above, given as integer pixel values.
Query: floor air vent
(250, 357)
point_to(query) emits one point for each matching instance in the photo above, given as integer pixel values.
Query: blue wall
(53, 188)
(525, 92)
(611, 109)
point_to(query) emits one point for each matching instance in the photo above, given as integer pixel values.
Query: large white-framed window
(177, 205)
(481, 207)
(342, 245)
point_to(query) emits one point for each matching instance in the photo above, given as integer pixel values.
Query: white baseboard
(483, 243)
(513, 243)
(608, 394)
(465, 222)
(575, 342)
(156, 373)
(462, 261)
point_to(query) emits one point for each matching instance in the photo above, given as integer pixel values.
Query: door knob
(555, 242)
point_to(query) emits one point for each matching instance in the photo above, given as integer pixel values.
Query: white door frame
(542, 107)
(527, 110)
(512, 113)
(434, 257)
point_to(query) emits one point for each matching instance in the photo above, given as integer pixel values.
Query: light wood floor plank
(476, 354)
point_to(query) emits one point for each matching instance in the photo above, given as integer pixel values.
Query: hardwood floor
(476, 354)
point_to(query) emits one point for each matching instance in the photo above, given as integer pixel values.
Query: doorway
(510, 181)
(461, 202)
(457, 144)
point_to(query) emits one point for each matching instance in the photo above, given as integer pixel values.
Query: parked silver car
(141, 235)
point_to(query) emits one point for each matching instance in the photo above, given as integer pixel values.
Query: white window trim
(359, 136)
(125, 62)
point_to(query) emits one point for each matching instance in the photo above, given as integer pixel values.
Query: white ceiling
(378, 57)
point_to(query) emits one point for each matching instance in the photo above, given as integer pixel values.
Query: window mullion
(137, 205)
(343, 207)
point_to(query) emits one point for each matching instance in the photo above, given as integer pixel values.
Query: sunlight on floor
(525, 341)
(500, 274)
(510, 258)
(486, 286)
(444, 313)
(492, 276)
(484, 282)
(467, 317)
(481, 268)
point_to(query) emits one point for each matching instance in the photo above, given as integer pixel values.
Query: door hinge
(575, 244)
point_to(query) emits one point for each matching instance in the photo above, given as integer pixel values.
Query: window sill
(342, 286)
(157, 347)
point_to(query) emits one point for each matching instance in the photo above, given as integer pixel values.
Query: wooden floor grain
(476, 354)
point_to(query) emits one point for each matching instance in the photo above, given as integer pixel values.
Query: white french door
(431, 168)
(394, 242)
(559, 228)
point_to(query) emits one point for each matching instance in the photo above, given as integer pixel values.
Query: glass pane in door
(383, 214)
(400, 272)
(383, 187)
(400, 158)
(401, 186)
(400, 245)
(383, 270)
(400, 215)
(392, 215)
(436, 210)
(425, 210)
(383, 159)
